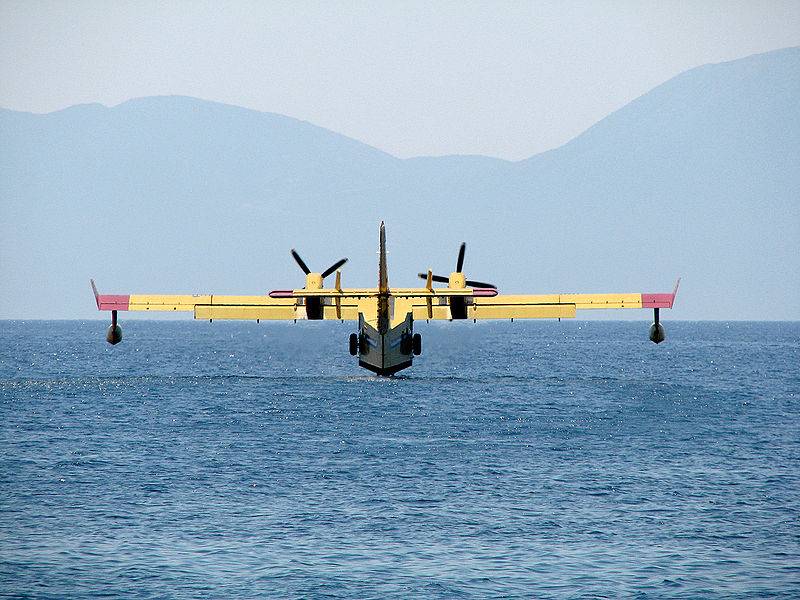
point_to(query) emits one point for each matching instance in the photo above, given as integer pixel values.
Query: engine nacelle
(657, 333)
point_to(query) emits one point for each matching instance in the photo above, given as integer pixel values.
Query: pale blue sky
(506, 79)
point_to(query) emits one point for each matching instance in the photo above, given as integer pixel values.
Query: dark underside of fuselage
(387, 372)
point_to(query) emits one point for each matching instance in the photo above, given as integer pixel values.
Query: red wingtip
(661, 300)
(110, 301)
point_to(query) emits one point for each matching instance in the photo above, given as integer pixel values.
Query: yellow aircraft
(385, 342)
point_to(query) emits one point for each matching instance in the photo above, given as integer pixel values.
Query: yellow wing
(291, 305)
(543, 306)
(347, 303)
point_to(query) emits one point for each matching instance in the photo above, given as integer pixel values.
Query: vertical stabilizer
(383, 285)
(383, 276)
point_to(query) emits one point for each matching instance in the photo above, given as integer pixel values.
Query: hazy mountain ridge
(698, 177)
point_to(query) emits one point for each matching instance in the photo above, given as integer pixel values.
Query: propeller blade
(480, 284)
(333, 267)
(436, 278)
(300, 262)
(460, 262)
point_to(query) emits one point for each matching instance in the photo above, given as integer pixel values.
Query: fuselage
(385, 340)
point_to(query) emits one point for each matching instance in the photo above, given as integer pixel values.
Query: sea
(513, 460)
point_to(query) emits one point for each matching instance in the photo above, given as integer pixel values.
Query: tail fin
(383, 275)
(383, 286)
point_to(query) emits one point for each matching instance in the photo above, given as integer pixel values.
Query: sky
(504, 79)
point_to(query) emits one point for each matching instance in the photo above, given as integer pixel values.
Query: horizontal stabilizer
(396, 292)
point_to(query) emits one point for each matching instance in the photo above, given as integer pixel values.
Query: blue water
(518, 460)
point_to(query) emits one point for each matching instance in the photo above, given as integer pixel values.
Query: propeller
(459, 266)
(300, 262)
(333, 267)
(306, 270)
(436, 278)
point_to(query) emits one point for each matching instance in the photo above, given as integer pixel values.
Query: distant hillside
(699, 178)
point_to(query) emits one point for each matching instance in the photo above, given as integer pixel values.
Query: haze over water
(527, 459)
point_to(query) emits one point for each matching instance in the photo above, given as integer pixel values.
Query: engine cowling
(457, 280)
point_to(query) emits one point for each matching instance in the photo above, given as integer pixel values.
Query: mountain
(699, 178)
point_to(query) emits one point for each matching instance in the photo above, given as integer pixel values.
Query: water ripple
(584, 462)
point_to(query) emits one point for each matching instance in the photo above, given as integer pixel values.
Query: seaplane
(385, 342)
